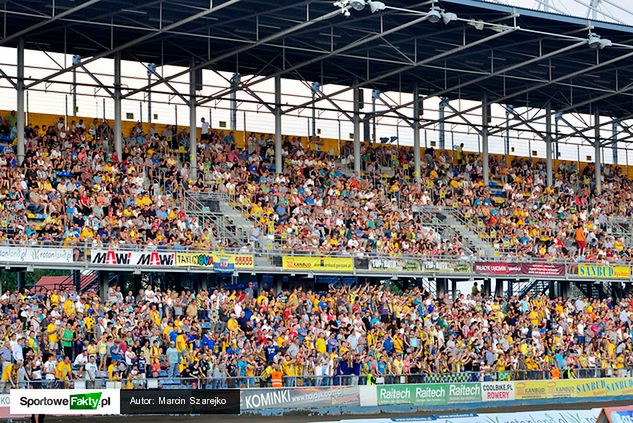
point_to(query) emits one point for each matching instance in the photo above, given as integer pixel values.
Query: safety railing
(246, 382)
(135, 257)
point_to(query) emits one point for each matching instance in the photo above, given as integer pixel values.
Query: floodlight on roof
(477, 24)
(376, 6)
(448, 17)
(597, 42)
(434, 15)
(357, 4)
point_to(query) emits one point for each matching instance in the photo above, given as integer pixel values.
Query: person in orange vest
(276, 377)
(555, 373)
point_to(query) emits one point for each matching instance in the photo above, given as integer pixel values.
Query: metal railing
(247, 382)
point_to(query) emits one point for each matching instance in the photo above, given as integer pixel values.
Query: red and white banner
(530, 269)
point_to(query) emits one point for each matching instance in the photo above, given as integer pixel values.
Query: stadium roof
(511, 55)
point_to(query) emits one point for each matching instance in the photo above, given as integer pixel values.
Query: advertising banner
(299, 398)
(532, 269)
(595, 271)
(132, 258)
(209, 260)
(328, 264)
(409, 265)
(497, 268)
(573, 388)
(36, 255)
(497, 391)
(64, 401)
(429, 394)
(616, 415)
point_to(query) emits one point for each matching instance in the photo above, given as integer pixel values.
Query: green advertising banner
(429, 394)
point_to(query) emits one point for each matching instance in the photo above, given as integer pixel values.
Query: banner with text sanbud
(327, 264)
(428, 394)
(573, 388)
(240, 261)
(597, 271)
(36, 255)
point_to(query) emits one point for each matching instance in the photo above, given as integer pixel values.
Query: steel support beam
(484, 140)
(193, 133)
(417, 168)
(422, 62)
(614, 141)
(548, 145)
(442, 111)
(357, 167)
(278, 144)
(20, 102)
(139, 40)
(598, 150)
(236, 52)
(233, 103)
(118, 137)
(50, 20)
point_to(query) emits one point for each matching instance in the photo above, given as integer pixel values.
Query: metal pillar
(417, 169)
(614, 138)
(506, 144)
(498, 288)
(118, 141)
(484, 140)
(597, 154)
(357, 131)
(193, 133)
(443, 104)
(558, 116)
(278, 146)
(77, 280)
(548, 144)
(20, 100)
(235, 82)
(315, 88)
(76, 61)
(21, 279)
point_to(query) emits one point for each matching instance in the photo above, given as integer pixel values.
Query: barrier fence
(253, 382)
(155, 258)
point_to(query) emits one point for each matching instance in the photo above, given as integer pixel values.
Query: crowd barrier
(327, 399)
(230, 261)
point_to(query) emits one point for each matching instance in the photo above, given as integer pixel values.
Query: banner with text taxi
(327, 264)
(218, 261)
(598, 271)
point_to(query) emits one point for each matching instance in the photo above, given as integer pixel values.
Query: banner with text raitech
(328, 264)
(428, 394)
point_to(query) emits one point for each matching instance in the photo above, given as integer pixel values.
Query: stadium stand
(72, 190)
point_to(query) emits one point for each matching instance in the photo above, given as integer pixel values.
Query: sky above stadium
(619, 11)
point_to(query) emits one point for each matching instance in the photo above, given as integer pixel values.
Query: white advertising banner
(132, 258)
(64, 401)
(36, 255)
(497, 391)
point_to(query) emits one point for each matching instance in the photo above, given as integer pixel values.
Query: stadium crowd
(72, 190)
(363, 334)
